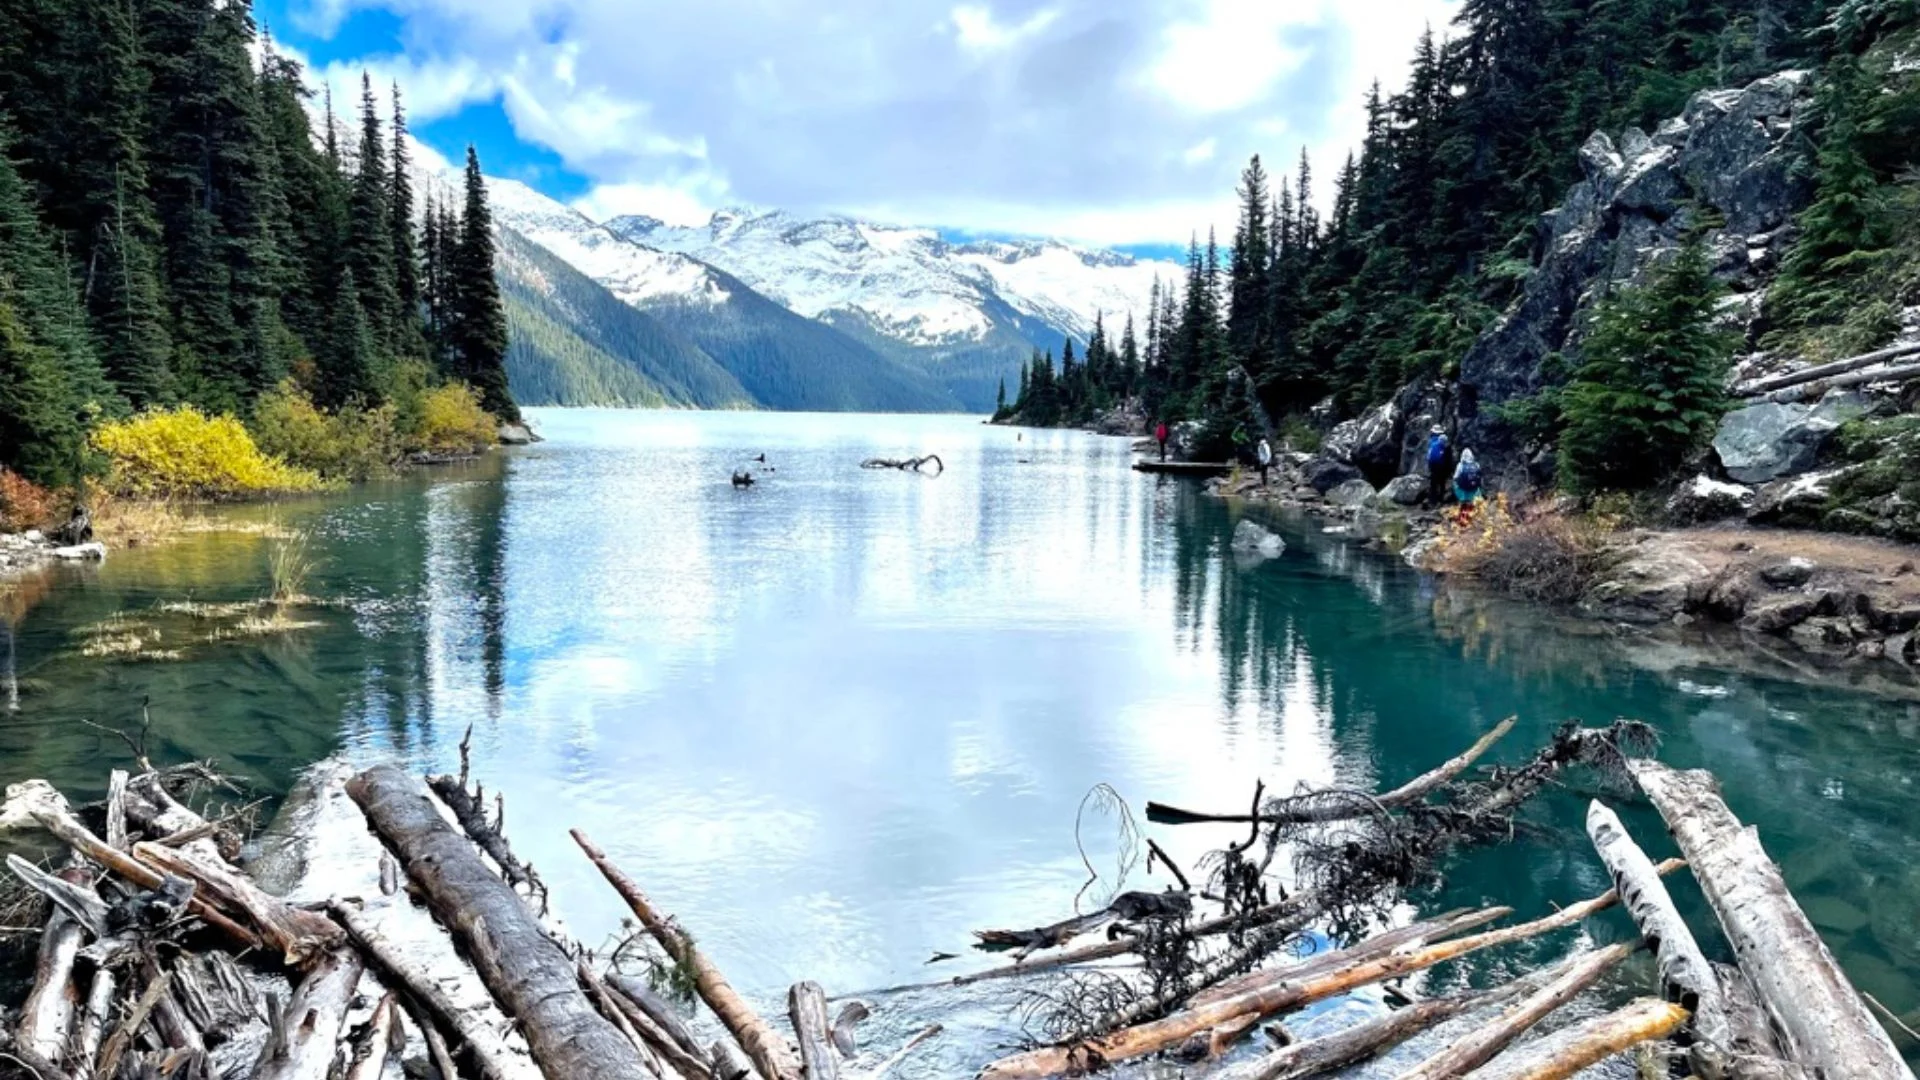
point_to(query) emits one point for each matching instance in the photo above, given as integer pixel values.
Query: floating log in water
(306, 1037)
(298, 934)
(1479, 1046)
(1199, 470)
(915, 464)
(1825, 1025)
(521, 966)
(807, 1009)
(768, 1051)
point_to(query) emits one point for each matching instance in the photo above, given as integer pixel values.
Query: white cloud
(1116, 121)
(975, 27)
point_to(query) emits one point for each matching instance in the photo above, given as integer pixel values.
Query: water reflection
(845, 717)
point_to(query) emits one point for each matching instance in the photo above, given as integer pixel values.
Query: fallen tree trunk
(298, 934)
(123, 1036)
(51, 1006)
(1479, 1046)
(767, 1050)
(1821, 371)
(658, 1011)
(1571, 1049)
(370, 1052)
(1807, 391)
(807, 1008)
(692, 1064)
(534, 981)
(306, 1037)
(1824, 1024)
(92, 1028)
(1415, 935)
(469, 811)
(1278, 994)
(1318, 810)
(1363, 1042)
(491, 1055)
(1685, 975)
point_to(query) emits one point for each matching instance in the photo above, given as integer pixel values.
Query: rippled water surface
(841, 719)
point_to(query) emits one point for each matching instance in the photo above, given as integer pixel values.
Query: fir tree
(370, 228)
(1651, 382)
(479, 324)
(1250, 271)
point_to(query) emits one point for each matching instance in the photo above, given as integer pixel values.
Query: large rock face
(1730, 154)
(1769, 440)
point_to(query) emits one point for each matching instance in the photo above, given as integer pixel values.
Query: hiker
(1160, 436)
(1437, 448)
(1466, 480)
(1265, 454)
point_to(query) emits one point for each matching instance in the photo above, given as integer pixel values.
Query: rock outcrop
(1768, 440)
(1728, 156)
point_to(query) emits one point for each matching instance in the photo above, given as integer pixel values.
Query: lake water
(841, 719)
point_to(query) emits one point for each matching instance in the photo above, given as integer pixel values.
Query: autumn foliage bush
(452, 422)
(1549, 557)
(352, 444)
(183, 453)
(24, 504)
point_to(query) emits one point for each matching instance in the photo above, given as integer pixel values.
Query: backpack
(1436, 449)
(1469, 478)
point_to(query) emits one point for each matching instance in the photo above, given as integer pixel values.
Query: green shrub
(353, 444)
(186, 454)
(452, 422)
(1651, 383)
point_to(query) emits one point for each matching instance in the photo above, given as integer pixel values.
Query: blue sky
(1117, 122)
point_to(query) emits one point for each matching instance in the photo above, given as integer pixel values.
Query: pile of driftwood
(159, 956)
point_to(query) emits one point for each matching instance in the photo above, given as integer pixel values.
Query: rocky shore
(30, 550)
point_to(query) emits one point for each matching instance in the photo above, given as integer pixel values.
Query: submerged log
(1308, 811)
(300, 935)
(1363, 1042)
(1278, 994)
(807, 1008)
(489, 1051)
(526, 972)
(1571, 1049)
(915, 464)
(1479, 1046)
(1414, 935)
(769, 1053)
(1824, 1024)
(306, 1037)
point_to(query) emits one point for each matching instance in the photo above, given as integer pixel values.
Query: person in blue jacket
(1437, 449)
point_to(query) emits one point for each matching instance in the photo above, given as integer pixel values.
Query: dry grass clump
(1548, 557)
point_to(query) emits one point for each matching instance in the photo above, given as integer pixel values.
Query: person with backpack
(1437, 449)
(1467, 480)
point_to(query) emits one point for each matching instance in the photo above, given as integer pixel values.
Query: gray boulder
(1352, 493)
(1769, 440)
(1706, 499)
(1790, 574)
(1323, 474)
(1251, 538)
(517, 434)
(1405, 490)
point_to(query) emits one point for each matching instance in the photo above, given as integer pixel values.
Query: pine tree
(1249, 276)
(370, 247)
(479, 325)
(406, 255)
(1000, 399)
(1651, 382)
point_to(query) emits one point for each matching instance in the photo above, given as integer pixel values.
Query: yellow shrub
(452, 422)
(185, 453)
(353, 444)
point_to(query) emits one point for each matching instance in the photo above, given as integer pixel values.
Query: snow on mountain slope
(909, 284)
(633, 273)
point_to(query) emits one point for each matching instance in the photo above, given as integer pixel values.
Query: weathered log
(1413, 935)
(1324, 810)
(609, 1007)
(370, 1049)
(1821, 371)
(529, 975)
(306, 1037)
(489, 1051)
(900, 1055)
(914, 464)
(1479, 1046)
(91, 1029)
(472, 816)
(769, 1053)
(1810, 390)
(80, 904)
(169, 1019)
(693, 1064)
(300, 935)
(65, 827)
(154, 809)
(437, 1052)
(728, 1064)
(807, 1008)
(1576, 1047)
(659, 1011)
(117, 809)
(50, 1007)
(1685, 975)
(1824, 1024)
(1267, 998)
(122, 1038)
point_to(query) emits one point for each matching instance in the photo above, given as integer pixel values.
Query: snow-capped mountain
(909, 284)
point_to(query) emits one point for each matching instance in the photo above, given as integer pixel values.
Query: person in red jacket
(1160, 436)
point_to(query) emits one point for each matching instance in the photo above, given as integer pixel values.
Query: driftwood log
(1824, 1024)
(371, 1048)
(1579, 1046)
(53, 1004)
(1685, 976)
(769, 1052)
(305, 1039)
(1322, 810)
(1820, 371)
(300, 935)
(915, 464)
(657, 1010)
(1480, 1045)
(807, 1009)
(523, 968)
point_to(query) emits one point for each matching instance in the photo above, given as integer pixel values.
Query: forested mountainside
(571, 342)
(173, 231)
(1484, 236)
(782, 359)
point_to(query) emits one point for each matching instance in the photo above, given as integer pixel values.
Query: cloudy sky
(1120, 122)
